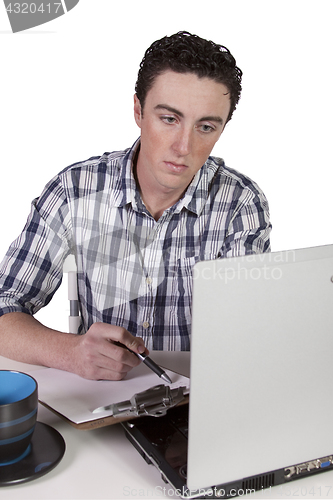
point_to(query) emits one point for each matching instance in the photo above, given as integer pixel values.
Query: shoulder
(95, 163)
(94, 168)
(224, 176)
(94, 174)
(108, 176)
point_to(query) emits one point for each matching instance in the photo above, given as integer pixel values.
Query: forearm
(25, 339)
(95, 355)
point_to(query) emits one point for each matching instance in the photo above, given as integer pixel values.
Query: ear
(137, 111)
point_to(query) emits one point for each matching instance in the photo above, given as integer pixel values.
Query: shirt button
(145, 324)
(149, 280)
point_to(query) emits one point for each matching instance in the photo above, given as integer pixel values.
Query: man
(137, 221)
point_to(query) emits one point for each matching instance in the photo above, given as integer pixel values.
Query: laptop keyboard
(168, 436)
(179, 419)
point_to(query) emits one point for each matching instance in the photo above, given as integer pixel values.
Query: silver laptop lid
(261, 364)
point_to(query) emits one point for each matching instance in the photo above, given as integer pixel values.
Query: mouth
(176, 167)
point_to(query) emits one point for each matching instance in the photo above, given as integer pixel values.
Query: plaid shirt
(133, 271)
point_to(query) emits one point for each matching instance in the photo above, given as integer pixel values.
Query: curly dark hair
(187, 53)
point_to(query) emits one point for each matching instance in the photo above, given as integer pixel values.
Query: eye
(168, 119)
(206, 128)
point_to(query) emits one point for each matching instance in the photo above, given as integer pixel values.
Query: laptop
(261, 396)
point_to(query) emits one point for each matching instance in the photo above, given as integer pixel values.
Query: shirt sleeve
(31, 271)
(249, 227)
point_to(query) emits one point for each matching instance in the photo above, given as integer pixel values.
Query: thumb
(135, 344)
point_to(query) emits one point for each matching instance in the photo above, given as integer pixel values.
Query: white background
(67, 94)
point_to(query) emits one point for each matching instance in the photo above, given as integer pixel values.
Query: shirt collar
(129, 192)
(194, 198)
(197, 193)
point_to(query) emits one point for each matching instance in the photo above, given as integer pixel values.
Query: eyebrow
(217, 119)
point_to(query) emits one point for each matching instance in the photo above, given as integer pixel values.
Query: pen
(153, 366)
(148, 362)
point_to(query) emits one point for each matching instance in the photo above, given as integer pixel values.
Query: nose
(182, 142)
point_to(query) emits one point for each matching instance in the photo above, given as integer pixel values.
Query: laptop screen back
(261, 364)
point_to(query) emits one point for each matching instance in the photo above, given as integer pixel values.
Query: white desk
(102, 464)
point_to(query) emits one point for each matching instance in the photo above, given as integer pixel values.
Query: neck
(156, 202)
(156, 207)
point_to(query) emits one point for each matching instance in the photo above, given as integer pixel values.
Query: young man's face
(182, 119)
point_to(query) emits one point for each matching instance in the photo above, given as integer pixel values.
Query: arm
(29, 276)
(249, 227)
(92, 355)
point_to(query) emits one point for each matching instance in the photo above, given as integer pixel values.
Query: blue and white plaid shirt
(133, 271)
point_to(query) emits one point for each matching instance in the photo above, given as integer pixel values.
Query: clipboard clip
(153, 402)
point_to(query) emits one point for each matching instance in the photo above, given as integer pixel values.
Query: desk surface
(102, 464)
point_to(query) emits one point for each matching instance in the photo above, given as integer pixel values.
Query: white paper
(75, 398)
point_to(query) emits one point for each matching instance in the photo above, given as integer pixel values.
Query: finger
(118, 368)
(116, 360)
(121, 355)
(135, 344)
(97, 365)
(96, 351)
(101, 340)
(100, 373)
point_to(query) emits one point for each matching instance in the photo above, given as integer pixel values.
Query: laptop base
(162, 442)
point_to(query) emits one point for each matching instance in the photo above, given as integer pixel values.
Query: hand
(96, 356)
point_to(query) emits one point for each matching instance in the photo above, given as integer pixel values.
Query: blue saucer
(43, 454)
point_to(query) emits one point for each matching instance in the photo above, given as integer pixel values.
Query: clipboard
(73, 398)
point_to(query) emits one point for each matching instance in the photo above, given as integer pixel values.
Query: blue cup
(18, 414)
